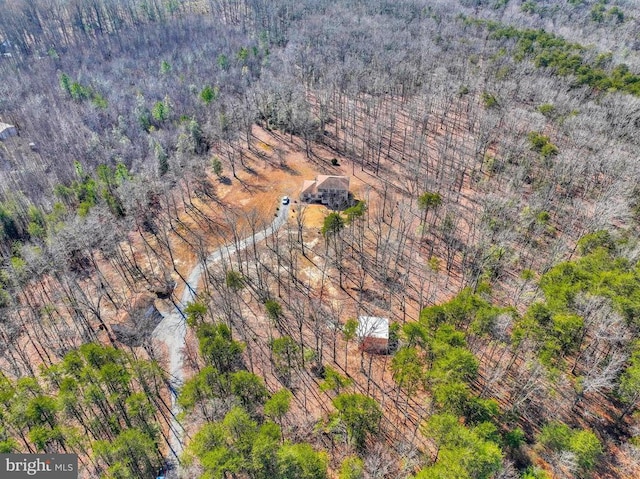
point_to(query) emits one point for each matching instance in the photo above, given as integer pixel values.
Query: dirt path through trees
(172, 329)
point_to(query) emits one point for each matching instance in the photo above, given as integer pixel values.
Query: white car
(285, 200)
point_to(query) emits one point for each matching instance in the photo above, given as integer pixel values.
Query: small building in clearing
(373, 334)
(7, 130)
(135, 326)
(329, 190)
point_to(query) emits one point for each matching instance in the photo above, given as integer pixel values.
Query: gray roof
(333, 182)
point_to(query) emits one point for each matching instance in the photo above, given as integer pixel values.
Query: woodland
(492, 147)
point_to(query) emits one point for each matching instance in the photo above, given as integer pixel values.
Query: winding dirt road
(173, 328)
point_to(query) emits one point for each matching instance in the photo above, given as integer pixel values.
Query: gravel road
(173, 329)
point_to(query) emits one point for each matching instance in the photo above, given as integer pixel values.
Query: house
(7, 130)
(329, 190)
(373, 334)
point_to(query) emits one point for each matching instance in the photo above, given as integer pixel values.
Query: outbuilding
(373, 334)
(7, 131)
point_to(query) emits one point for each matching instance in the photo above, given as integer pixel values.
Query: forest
(164, 312)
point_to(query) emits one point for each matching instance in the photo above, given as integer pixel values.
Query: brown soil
(276, 165)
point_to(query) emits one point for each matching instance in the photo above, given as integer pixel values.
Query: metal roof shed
(373, 334)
